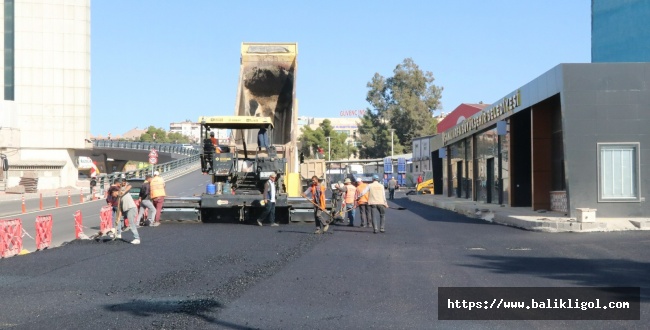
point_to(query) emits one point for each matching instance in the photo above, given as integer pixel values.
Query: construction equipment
(263, 141)
(426, 186)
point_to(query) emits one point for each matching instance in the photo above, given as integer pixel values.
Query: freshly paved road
(235, 276)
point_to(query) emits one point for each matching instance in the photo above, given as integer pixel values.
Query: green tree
(404, 102)
(159, 134)
(313, 138)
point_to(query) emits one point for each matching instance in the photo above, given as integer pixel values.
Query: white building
(45, 102)
(193, 131)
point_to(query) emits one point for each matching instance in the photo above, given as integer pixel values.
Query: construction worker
(269, 202)
(362, 203)
(145, 203)
(215, 143)
(127, 208)
(157, 195)
(377, 200)
(350, 198)
(317, 193)
(392, 185)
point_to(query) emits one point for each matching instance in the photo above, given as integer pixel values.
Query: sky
(154, 62)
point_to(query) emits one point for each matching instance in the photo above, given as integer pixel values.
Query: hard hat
(156, 173)
(347, 180)
(359, 180)
(211, 133)
(375, 177)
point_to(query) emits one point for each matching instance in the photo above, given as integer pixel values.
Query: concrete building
(574, 137)
(45, 108)
(619, 31)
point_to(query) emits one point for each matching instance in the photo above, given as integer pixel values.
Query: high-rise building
(620, 31)
(45, 108)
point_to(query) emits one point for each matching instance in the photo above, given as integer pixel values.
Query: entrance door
(459, 179)
(489, 186)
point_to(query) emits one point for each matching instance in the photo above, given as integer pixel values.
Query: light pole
(392, 130)
(329, 147)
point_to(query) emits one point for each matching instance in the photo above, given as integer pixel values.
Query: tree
(311, 139)
(404, 102)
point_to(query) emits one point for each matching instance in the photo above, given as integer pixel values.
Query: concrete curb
(548, 222)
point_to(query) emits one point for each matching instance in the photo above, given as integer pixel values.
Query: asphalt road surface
(188, 275)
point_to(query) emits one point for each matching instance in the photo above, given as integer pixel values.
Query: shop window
(618, 166)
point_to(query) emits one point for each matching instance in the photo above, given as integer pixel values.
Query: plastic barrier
(11, 240)
(78, 224)
(106, 219)
(43, 231)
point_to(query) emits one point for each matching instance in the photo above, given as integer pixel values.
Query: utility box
(586, 215)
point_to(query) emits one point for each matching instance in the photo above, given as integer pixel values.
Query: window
(9, 50)
(618, 167)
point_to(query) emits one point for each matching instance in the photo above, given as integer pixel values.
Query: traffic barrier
(23, 206)
(40, 202)
(69, 198)
(11, 239)
(92, 190)
(43, 231)
(81, 196)
(57, 199)
(78, 224)
(106, 219)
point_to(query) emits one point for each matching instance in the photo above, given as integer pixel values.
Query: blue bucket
(211, 189)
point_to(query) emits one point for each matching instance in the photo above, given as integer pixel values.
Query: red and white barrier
(43, 232)
(78, 224)
(106, 219)
(11, 240)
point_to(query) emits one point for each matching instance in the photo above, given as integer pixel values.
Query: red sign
(153, 160)
(153, 153)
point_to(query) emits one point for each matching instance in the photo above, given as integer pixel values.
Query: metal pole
(329, 148)
(392, 130)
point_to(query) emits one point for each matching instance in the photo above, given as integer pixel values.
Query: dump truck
(267, 88)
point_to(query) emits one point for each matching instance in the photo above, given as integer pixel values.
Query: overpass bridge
(111, 155)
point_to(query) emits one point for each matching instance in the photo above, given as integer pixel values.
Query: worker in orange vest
(350, 199)
(362, 203)
(317, 193)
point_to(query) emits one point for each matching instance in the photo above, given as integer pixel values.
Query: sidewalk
(525, 218)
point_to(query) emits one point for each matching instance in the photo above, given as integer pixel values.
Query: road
(188, 275)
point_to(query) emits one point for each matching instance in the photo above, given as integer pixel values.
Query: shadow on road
(431, 213)
(198, 308)
(581, 272)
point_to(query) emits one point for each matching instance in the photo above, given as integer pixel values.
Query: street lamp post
(392, 130)
(329, 147)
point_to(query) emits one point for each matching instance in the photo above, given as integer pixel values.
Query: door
(459, 179)
(489, 185)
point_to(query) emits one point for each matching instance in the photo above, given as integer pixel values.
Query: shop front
(572, 138)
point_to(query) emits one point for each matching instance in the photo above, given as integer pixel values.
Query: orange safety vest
(360, 188)
(157, 187)
(350, 194)
(318, 198)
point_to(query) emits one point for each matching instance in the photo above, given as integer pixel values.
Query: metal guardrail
(167, 170)
(161, 147)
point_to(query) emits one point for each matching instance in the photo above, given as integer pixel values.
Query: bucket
(226, 188)
(219, 188)
(211, 189)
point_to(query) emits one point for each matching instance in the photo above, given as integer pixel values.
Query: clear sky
(159, 61)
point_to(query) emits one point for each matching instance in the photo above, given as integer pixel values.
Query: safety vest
(377, 194)
(350, 194)
(360, 188)
(157, 187)
(318, 195)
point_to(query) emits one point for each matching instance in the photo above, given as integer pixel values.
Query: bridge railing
(161, 147)
(167, 170)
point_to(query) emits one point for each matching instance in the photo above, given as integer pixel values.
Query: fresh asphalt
(188, 275)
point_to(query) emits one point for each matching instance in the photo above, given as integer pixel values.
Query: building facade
(574, 137)
(45, 109)
(619, 31)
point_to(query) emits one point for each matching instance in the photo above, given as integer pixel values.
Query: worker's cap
(273, 175)
(347, 180)
(359, 180)
(156, 173)
(211, 133)
(375, 177)
(148, 176)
